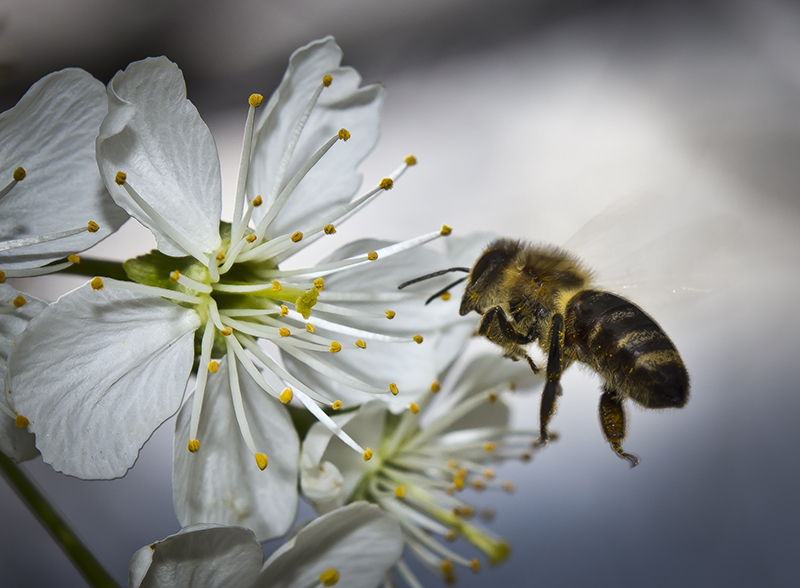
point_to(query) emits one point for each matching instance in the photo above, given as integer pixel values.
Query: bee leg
(612, 420)
(555, 365)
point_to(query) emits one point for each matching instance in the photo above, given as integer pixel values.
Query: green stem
(56, 525)
(98, 267)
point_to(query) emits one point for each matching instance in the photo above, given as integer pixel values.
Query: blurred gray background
(528, 119)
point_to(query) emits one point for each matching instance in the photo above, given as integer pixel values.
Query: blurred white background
(528, 119)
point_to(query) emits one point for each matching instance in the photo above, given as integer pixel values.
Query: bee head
(486, 274)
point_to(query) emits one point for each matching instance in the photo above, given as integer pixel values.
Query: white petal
(334, 180)
(365, 426)
(154, 134)
(51, 134)
(16, 443)
(201, 556)
(221, 483)
(358, 540)
(96, 372)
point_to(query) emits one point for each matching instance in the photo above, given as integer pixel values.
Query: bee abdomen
(628, 348)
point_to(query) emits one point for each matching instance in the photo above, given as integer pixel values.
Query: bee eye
(489, 259)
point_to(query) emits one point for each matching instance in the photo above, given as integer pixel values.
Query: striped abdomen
(624, 345)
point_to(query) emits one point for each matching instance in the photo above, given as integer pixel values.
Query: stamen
(367, 454)
(417, 339)
(193, 445)
(189, 283)
(337, 404)
(240, 223)
(17, 176)
(33, 271)
(74, 258)
(160, 222)
(206, 346)
(286, 395)
(27, 241)
(238, 406)
(278, 203)
(21, 422)
(329, 577)
(19, 301)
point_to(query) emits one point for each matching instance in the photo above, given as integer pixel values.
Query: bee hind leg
(612, 420)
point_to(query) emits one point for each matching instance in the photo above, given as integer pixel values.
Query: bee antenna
(433, 275)
(445, 289)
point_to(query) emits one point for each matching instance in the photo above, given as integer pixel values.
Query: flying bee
(543, 295)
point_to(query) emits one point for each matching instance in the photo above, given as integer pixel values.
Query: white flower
(52, 200)
(104, 365)
(353, 547)
(423, 459)
(16, 309)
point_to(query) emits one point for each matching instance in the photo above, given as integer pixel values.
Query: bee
(527, 294)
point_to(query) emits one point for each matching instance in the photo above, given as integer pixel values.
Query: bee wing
(655, 252)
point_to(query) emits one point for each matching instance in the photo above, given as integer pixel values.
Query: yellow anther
(445, 231)
(393, 388)
(488, 473)
(344, 134)
(220, 256)
(508, 486)
(367, 454)
(452, 464)
(461, 473)
(489, 446)
(337, 404)
(451, 535)
(446, 296)
(329, 229)
(74, 258)
(458, 482)
(257, 201)
(413, 407)
(372, 255)
(390, 314)
(361, 344)
(284, 310)
(120, 178)
(213, 366)
(226, 332)
(386, 184)
(250, 238)
(512, 386)
(475, 565)
(400, 492)
(310, 328)
(97, 283)
(492, 397)
(284, 332)
(478, 484)
(418, 339)
(92, 227)
(175, 276)
(410, 160)
(319, 284)
(435, 387)
(286, 395)
(525, 456)
(193, 445)
(261, 461)
(276, 286)
(21, 422)
(255, 100)
(19, 301)
(2, 276)
(296, 237)
(448, 571)
(19, 174)
(326, 80)
(331, 576)
(465, 512)
(336, 347)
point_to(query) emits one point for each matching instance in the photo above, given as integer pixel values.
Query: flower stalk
(55, 524)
